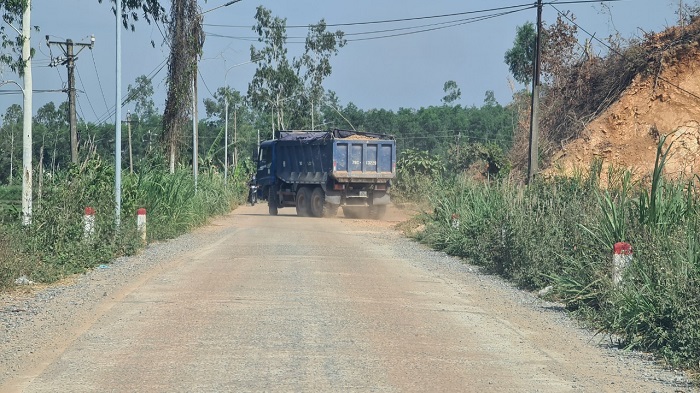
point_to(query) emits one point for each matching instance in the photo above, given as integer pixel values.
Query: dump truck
(317, 172)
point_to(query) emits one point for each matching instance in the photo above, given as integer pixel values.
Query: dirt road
(261, 303)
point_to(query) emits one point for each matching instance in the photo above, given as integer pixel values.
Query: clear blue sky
(404, 71)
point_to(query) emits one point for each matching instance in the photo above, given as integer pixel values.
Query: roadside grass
(560, 232)
(55, 246)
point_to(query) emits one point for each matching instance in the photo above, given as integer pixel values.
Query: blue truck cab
(317, 172)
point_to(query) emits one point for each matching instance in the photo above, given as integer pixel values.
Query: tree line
(285, 93)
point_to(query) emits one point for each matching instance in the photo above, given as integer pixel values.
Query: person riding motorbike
(253, 194)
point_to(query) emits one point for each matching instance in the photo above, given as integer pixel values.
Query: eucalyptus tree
(10, 142)
(144, 121)
(520, 58)
(275, 80)
(141, 94)
(452, 92)
(52, 130)
(240, 123)
(320, 45)
(288, 89)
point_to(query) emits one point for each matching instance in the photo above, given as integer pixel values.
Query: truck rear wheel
(377, 212)
(318, 198)
(356, 211)
(330, 210)
(303, 202)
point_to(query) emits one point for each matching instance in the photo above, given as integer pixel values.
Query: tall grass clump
(658, 306)
(560, 232)
(523, 234)
(54, 246)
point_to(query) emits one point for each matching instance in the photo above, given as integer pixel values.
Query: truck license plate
(363, 194)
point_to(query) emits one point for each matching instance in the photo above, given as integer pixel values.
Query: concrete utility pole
(118, 120)
(195, 133)
(534, 114)
(27, 119)
(128, 128)
(69, 62)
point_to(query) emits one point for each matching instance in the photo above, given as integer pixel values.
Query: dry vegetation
(615, 107)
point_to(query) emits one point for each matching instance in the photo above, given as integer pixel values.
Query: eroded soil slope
(658, 103)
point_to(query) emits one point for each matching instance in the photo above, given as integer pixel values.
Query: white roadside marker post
(141, 223)
(88, 223)
(622, 257)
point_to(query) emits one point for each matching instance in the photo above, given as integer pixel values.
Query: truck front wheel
(318, 198)
(272, 201)
(303, 202)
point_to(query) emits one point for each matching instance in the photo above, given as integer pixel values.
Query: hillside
(667, 102)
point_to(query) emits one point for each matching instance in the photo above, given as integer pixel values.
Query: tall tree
(151, 10)
(275, 80)
(186, 41)
(10, 143)
(52, 130)
(290, 89)
(10, 36)
(142, 96)
(452, 92)
(521, 56)
(320, 46)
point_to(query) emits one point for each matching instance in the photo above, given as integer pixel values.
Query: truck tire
(272, 201)
(377, 212)
(303, 202)
(318, 199)
(356, 211)
(330, 210)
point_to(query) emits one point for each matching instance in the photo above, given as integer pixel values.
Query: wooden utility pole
(69, 62)
(534, 113)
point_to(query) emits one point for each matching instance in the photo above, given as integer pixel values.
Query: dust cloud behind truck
(317, 172)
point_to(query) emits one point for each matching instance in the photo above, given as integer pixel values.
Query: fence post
(141, 223)
(88, 223)
(622, 257)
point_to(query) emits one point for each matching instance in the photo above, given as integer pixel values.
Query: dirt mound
(666, 102)
(358, 137)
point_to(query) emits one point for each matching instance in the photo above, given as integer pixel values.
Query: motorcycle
(253, 195)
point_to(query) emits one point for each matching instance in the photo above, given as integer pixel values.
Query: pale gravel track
(36, 328)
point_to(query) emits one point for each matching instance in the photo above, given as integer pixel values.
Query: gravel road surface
(258, 303)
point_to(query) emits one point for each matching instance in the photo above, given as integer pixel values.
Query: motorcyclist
(253, 186)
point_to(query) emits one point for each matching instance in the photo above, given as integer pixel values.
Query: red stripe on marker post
(141, 223)
(622, 257)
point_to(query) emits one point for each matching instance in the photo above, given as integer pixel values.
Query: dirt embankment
(659, 103)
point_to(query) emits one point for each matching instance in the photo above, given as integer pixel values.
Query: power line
(430, 27)
(110, 111)
(221, 6)
(528, 5)
(86, 95)
(390, 20)
(203, 81)
(99, 81)
(479, 19)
